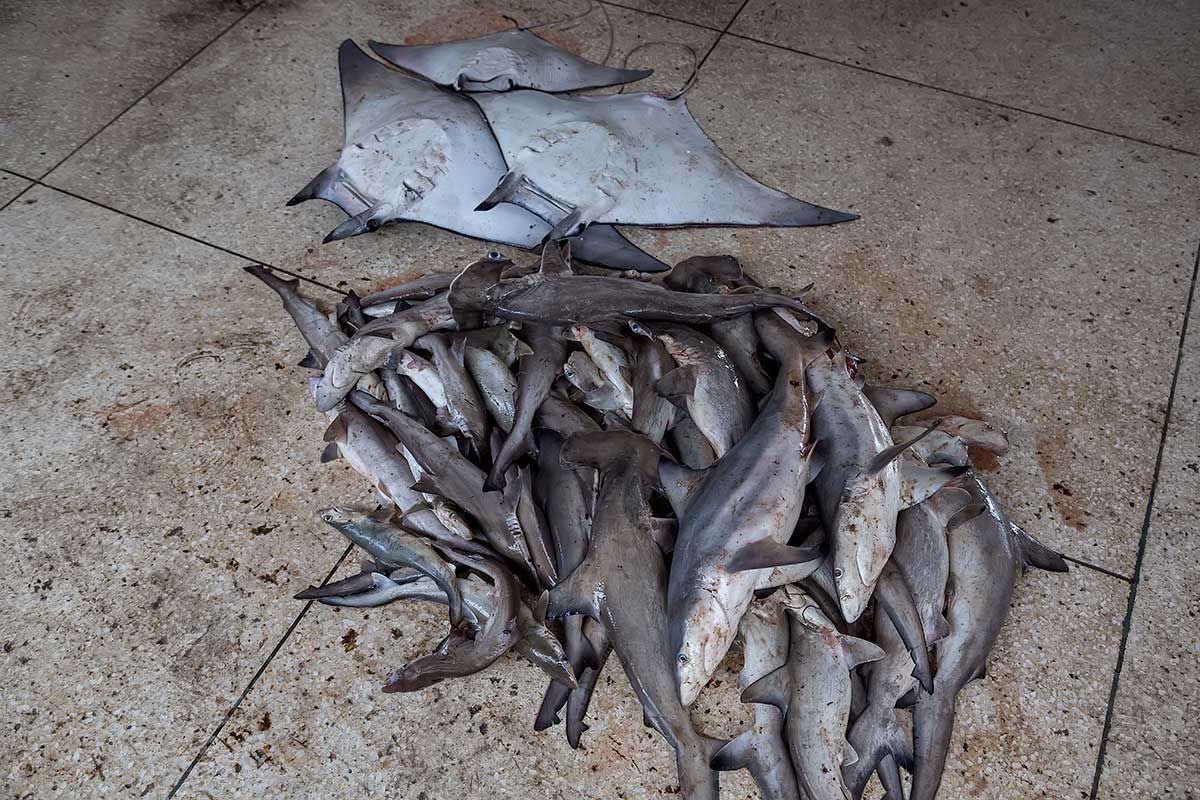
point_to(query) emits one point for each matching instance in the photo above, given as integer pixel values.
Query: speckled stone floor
(1028, 176)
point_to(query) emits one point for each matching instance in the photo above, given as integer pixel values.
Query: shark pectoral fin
(735, 754)
(542, 606)
(574, 595)
(895, 403)
(894, 596)
(919, 482)
(889, 455)
(767, 553)
(555, 698)
(860, 651)
(945, 502)
(311, 361)
(770, 689)
(505, 190)
(331, 453)
(965, 514)
(678, 482)
(336, 432)
(849, 755)
(1036, 554)
(677, 384)
(909, 698)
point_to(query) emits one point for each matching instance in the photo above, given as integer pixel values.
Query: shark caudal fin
(933, 725)
(1036, 554)
(606, 449)
(875, 735)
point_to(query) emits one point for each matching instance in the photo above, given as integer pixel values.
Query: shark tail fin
(875, 735)
(1036, 554)
(737, 753)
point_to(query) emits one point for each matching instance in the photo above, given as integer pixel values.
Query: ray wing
(634, 159)
(414, 152)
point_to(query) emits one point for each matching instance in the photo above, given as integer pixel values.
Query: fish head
(475, 286)
(853, 593)
(338, 516)
(492, 69)
(706, 635)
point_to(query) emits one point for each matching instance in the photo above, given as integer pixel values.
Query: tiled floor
(1029, 180)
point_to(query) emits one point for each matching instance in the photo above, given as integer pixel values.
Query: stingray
(415, 152)
(635, 159)
(497, 62)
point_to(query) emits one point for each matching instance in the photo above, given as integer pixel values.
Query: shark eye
(683, 659)
(494, 255)
(837, 572)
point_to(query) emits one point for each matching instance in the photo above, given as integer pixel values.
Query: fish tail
(933, 724)
(697, 780)
(875, 736)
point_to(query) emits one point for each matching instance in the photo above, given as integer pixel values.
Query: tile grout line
(660, 15)
(18, 195)
(147, 93)
(1142, 541)
(187, 236)
(721, 36)
(910, 81)
(249, 686)
(966, 96)
(1096, 568)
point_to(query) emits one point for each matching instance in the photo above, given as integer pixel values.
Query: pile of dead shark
(669, 465)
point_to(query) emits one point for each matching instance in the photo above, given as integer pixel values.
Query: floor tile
(70, 67)
(1022, 270)
(11, 186)
(1126, 68)
(1152, 749)
(158, 496)
(225, 143)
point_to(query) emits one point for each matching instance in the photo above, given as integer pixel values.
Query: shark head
(706, 636)
(479, 282)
